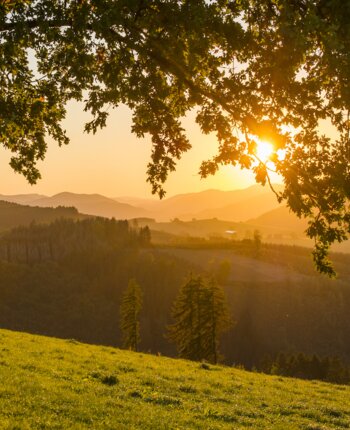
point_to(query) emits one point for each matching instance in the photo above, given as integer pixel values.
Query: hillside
(205, 228)
(92, 204)
(280, 225)
(52, 242)
(243, 209)
(236, 205)
(22, 199)
(281, 219)
(13, 215)
(62, 384)
(69, 281)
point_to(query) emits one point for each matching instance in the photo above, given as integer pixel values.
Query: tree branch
(31, 24)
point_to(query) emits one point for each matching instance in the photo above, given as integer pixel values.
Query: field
(48, 383)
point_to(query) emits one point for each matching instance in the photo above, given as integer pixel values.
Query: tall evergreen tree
(200, 316)
(129, 315)
(186, 332)
(217, 319)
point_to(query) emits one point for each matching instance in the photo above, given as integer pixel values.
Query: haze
(113, 162)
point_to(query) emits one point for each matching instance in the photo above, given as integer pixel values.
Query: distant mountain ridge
(21, 198)
(91, 204)
(236, 205)
(244, 209)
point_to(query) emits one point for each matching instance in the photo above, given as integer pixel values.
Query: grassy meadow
(48, 383)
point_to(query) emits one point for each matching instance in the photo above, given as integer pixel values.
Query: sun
(264, 150)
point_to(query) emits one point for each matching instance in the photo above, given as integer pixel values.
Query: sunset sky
(113, 162)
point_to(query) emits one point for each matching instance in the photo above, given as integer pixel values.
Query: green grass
(47, 383)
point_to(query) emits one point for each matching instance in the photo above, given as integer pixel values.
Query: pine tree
(257, 243)
(200, 315)
(217, 319)
(129, 315)
(145, 236)
(186, 332)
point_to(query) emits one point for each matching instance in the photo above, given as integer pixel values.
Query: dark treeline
(78, 294)
(330, 369)
(40, 242)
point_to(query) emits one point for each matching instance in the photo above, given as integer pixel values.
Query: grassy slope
(62, 384)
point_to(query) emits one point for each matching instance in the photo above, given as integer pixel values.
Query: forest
(69, 283)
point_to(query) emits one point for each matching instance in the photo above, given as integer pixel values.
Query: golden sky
(113, 162)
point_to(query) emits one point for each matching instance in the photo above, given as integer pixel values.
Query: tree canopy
(251, 69)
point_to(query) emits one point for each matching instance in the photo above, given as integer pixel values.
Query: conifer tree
(129, 315)
(186, 332)
(200, 316)
(217, 319)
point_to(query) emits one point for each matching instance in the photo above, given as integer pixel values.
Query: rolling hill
(14, 215)
(237, 205)
(21, 198)
(62, 384)
(243, 209)
(92, 204)
(200, 214)
(281, 219)
(280, 225)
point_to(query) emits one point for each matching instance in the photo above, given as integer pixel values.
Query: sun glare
(264, 150)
